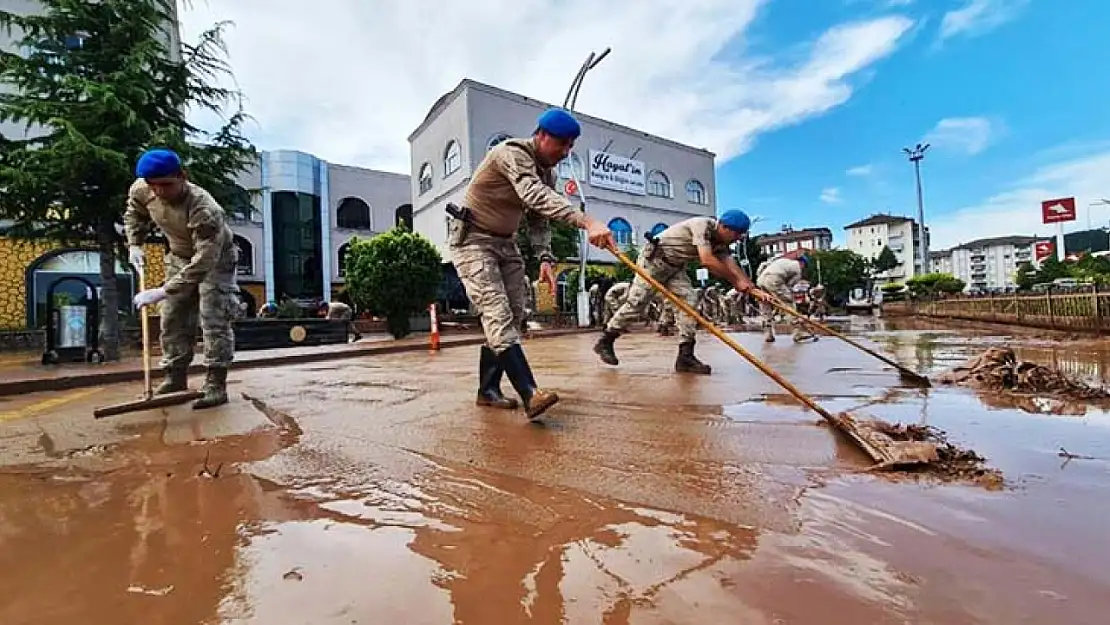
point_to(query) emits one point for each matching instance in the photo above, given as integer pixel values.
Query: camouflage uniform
(665, 260)
(777, 277)
(200, 283)
(614, 298)
(596, 318)
(509, 185)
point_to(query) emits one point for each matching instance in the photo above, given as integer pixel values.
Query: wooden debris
(999, 369)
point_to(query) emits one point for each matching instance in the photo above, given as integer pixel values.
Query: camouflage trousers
(641, 293)
(491, 270)
(783, 294)
(211, 306)
(667, 317)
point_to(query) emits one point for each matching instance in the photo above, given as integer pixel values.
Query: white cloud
(348, 80)
(1017, 210)
(978, 17)
(970, 135)
(861, 170)
(831, 195)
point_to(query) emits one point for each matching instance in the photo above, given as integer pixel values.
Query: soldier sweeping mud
(515, 180)
(778, 277)
(200, 271)
(698, 239)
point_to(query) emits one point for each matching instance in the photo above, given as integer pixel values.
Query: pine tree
(96, 83)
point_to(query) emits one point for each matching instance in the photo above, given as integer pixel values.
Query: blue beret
(559, 123)
(735, 220)
(157, 163)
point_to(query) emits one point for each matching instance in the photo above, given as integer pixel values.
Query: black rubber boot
(489, 382)
(214, 389)
(687, 362)
(604, 347)
(177, 379)
(515, 365)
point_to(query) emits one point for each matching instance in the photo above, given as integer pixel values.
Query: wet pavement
(371, 490)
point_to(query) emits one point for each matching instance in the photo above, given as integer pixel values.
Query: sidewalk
(24, 373)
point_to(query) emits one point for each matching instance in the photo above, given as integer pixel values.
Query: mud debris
(998, 369)
(925, 451)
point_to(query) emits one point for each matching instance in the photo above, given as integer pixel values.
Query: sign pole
(1060, 241)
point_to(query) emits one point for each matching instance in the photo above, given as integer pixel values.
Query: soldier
(818, 308)
(515, 180)
(595, 304)
(702, 239)
(777, 277)
(732, 307)
(200, 271)
(340, 312)
(711, 304)
(666, 325)
(615, 297)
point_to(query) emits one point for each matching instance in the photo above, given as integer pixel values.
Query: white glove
(150, 297)
(137, 256)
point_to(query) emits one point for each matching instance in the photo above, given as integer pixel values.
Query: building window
(695, 193)
(622, 231)
(245, 266)
(425, 178)
(658, 184)
(657, 228)
(564, 168)
(353, 214)
(341, 258)
(452, 158)
(496, 139)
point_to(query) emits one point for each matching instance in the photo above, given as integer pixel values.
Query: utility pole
(583, 243)
(915, 155)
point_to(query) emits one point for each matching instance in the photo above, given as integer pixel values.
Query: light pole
(742, 248)
(583, 243)
(916, 154)
(1102, 202)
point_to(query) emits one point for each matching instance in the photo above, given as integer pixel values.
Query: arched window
(695, 193)
(341, 258)
(425, 178)
(245, 266)
(658, 184)
(353, 214)
(563, 169)
(622, 231)
(496, 139)
(403, 216)
(452, 158)
(657, 228)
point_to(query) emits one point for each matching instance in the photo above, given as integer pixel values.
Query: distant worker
(594, 295)
(818, 307)
(615, 298)
(200, 271)
(777, 277)
(338, 311)
(698, 239)
(269, 310)
(514, 181)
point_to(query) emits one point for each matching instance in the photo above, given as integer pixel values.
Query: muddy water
(372, 490)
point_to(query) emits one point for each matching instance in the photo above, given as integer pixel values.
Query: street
(372, 490)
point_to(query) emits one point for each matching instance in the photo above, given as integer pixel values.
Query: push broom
(149, 400)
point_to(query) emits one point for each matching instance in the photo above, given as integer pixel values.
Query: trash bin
(72, 331)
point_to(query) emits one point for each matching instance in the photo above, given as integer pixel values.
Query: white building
(868, 237)
(664, 182)
(789, 239)
(293, 234)
(987, 264)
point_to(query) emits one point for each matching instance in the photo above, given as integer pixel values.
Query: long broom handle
(144, 314)
(703, 322)
(824, 328)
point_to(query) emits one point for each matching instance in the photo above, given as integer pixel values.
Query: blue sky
(808, 103)
(1029, 83)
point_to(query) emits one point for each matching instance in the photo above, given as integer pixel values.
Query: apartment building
(789, 239)
(869, 236)
(986, 264)
(634, 181)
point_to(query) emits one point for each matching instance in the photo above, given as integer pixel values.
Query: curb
(84, 380)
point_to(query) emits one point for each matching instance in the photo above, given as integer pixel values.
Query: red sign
(571, 187)
(1058, 210)
(1042, 250)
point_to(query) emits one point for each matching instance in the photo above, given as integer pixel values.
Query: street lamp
(1102, 202)
(916, 154)
(742, 248)
(583, 243)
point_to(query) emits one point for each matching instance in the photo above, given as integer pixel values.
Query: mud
(999, 369)
(377, 492)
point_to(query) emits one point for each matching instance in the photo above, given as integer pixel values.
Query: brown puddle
(377, 492)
